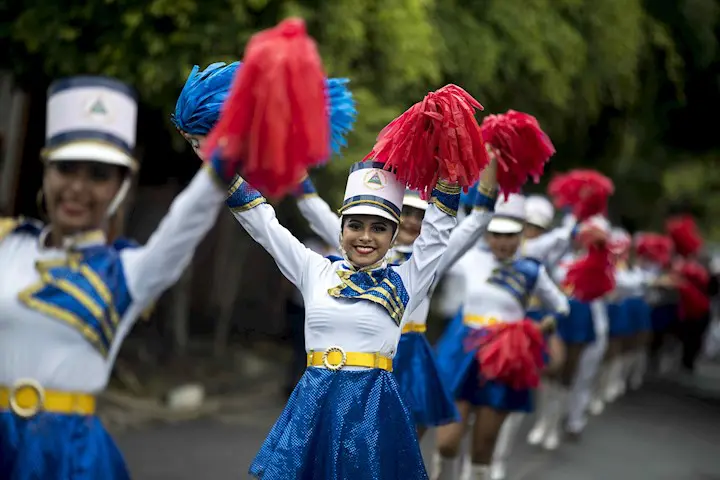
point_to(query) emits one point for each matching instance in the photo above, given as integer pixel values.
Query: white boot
(479, 472)
(465, 467)
(613, 380)
(639, 368)
(444, 468)
(504, 444)
(545, 401)
(555, 416)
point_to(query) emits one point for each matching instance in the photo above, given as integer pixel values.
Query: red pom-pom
(521, 147)
(511, 353)
(693, 272)
(437, 138)
(274, 121)
(694, 303)
(654, 247)
(585, 191)
(685, 235)
(591, 276)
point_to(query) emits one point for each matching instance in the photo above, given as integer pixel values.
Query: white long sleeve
(549, 294)
(157, 265)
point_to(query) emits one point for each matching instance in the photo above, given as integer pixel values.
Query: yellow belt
(335, 358)
(27, 398)
(414, 328)
(479, 321)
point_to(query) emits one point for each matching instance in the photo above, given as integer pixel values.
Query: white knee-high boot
(479, 472)
(613, 379)
(504, 445)
(638, 369)
(545, 396)
(444, 468)
(551, 441)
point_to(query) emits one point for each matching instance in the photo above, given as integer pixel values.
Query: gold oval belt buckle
(336, 366)
(31, 384)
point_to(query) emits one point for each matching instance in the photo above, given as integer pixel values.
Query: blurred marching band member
(610, 383)
(693, 282)
(547, 245)
(498, 287)
(69, 297)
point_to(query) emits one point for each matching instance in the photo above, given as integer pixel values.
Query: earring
(40, 203)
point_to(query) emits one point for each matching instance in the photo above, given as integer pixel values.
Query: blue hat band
(85, 135)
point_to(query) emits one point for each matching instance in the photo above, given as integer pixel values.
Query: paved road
(650, 435)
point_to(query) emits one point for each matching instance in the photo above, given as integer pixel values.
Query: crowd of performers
(555, 320)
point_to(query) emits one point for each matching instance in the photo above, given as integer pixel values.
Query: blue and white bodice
(358, 310)
(326, 224)
(65, 311)
(501, 290)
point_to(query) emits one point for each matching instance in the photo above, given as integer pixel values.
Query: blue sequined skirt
(577, 326)
(421, 387)
(51, 446)
(619, 320)
(460, 372)
(345, 425)
(639, 313)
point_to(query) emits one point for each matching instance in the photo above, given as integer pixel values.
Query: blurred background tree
(626, 86)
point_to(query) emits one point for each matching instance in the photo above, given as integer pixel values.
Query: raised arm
(470, 231)
(549, 293)
(154, 267)
(551, 246)
(257, 217)
(418, 272)
(323, 221)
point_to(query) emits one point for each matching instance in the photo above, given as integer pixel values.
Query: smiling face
(410, 223)
(366, 239)
(532, 230)
(78, 194)
(503, 245)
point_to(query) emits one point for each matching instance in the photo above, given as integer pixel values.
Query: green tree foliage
(610, 80)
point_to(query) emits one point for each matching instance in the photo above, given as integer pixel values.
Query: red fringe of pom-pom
(521, 147)
(685, 235)
(593, 275)
(586, 192)
(437, 138)
(654, 247)
(692, 285)
(694, 303)
(274, 121)
(511, 353)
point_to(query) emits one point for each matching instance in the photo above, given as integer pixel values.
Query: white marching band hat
(91, 118)
(599, 222)
(539, 211)
(371, 190)
(509, 215)
(412, 199)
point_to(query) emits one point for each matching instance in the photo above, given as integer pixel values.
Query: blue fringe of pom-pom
(342, 112)
(468, 198)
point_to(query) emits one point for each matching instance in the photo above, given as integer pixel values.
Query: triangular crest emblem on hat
(375, 179)
(98, 108)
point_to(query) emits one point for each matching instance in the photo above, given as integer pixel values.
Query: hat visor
(538, 221)
(415, 202)
(90, 152)
(504, 225)
(369, 210)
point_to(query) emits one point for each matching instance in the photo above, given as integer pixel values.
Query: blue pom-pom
(468, 198)
(198, 107)
(342, 112)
